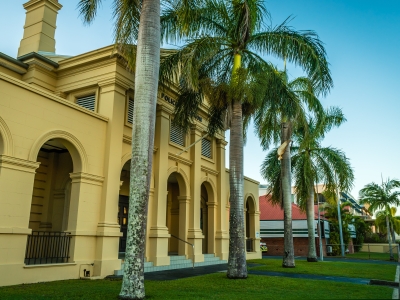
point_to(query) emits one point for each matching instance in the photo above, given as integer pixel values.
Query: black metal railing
(186, 243)
(47, 247)
(249, 245)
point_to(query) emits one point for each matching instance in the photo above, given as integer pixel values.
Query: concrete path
(344, 259)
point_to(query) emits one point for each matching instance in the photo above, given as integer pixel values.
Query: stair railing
(186, 243)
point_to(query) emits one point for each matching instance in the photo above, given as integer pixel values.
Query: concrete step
(177, 262)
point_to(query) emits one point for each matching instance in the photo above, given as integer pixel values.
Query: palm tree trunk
(237, 267)
(392, 233)
(288, 256)
(146, 87)
(312, 253)
(388, 237)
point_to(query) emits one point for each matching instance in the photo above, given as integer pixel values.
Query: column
(85, 202)
(112, 102)
(212, 213)
(16, 186)
(195, 235)
(184, 205)
(158, 231)
(222, 221)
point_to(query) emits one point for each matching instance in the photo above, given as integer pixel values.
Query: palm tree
(394, 222)
(139, 21)
(313, 164)
(274, 122)
(310, 164)
(220, 62)
(381, 197)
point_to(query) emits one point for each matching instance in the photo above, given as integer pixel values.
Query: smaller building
(272, 233)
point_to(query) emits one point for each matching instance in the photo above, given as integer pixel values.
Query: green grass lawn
(330, 268)
(212, 286)
(373, 255)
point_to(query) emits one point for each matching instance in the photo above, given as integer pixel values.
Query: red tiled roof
(271, 212)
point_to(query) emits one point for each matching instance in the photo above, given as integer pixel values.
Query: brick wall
(275, 246)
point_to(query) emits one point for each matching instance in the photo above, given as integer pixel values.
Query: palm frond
(88, 10)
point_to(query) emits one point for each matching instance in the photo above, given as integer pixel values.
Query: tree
(332, 214)
(312, 164)
(222, 62)
(281, 115)
(137, 21)
(394, 222)
(362, 229)
(381, 197)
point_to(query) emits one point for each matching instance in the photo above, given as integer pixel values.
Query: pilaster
(222, 221)
(111, 104)
(195, 234)
(16, 185)
(184, 205)
(158, 231)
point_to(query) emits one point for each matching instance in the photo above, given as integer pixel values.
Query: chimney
(40, 26)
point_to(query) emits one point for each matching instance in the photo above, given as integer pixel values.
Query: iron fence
(47, 247)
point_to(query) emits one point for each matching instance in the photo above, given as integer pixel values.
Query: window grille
(177, 135)
(131, 105)
(206, 148)
(87, 102)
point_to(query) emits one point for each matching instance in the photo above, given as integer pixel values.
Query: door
(123, 208)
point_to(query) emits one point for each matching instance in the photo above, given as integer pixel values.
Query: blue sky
(363, 44)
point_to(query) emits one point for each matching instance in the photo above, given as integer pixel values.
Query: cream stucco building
(65, 138)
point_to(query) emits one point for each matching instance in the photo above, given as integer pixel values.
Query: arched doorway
(250, 224)
(50, 206)
(204, 217)
(123, 204)
(172, 217)
(52, 188)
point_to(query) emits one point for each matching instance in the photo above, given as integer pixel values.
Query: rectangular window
(88, 102)
(206, 148)
(177, 135)
(131, 105)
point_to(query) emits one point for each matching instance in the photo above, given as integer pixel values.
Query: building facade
(65, 140)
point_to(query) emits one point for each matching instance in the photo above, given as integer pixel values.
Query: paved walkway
(344, 259)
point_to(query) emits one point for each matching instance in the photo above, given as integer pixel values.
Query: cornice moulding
(14, 163)
(209, 171)
(179, 159)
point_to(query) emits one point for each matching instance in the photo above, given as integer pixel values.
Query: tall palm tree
(137, 21)
(275, 121)
(381, 197)
(311, 164)
(219, 62)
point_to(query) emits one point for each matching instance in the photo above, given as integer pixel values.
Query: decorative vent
(131, 105)
(88, 102)
(177, 135)
(206, 148)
